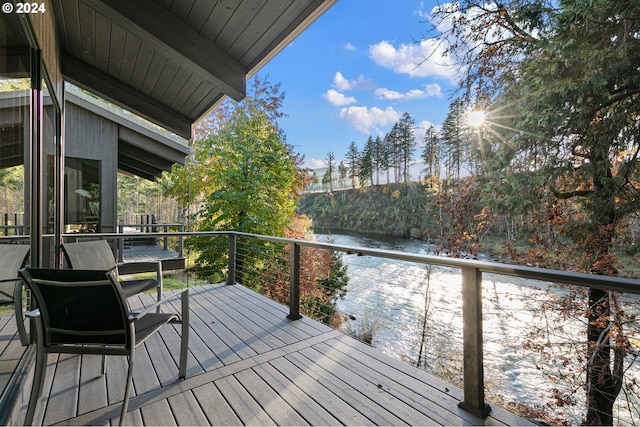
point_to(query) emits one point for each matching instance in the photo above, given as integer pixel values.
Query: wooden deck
(136, 253)
(250, 365)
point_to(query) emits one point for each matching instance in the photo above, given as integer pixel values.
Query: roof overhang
(172, 62)
(144, 150)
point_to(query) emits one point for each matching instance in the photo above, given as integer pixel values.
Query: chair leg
(38, 377)
(127, 389)
(17, 304)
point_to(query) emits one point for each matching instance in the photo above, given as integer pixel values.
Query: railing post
(472, 343)
(181, 241)
(231, 274)
(294, 280)
(121, 244)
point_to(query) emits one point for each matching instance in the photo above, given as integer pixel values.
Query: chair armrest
(184, 297)
(145, 267)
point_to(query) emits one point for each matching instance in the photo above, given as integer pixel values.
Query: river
(391, 295)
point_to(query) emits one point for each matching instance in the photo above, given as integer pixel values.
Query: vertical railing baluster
(166, 238)
(472, 343)
(294, 280)
(181, 241)
(231, 274)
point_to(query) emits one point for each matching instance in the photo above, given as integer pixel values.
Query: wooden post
(294, 280)
(231, 266)
(472, 343)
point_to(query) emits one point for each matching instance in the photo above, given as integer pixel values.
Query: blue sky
(355, 71)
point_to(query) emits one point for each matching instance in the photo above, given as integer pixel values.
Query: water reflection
(395, 292)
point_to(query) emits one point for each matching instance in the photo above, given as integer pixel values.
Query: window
(82, 195)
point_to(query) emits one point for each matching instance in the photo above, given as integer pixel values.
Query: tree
(379, 158)
(249, 176)
(366, 166)
(431, 152)
(563, 83)
(327, 178)
(392, 147)
(406, 142)
(353, 161)
(454, 138)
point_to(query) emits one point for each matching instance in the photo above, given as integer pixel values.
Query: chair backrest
(79, 307)
(89, 255)
(12, 259)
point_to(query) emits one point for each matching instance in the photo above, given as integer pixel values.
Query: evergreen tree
(453, 145)
(353, 162)
(327, 178)
(380, 160)
(406, 142)
(392, 147)
(431, 152)
(366, 167)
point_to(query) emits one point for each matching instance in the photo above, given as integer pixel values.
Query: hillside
(395, 209)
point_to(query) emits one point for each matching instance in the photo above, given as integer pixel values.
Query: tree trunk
(605, 361)
(603, 383)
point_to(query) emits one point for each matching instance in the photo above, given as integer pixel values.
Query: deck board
(187, 410)
(158, 414)
(94, 384)
(310, 410)
(215, 406)
(250, 365)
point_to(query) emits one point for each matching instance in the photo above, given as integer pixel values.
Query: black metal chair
(85, 312)
(97, 255)
(12, 259)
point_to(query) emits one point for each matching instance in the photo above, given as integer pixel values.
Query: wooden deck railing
(472, 273)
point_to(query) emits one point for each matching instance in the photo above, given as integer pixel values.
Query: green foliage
(11, 189)
(393, 209)
(246, 177)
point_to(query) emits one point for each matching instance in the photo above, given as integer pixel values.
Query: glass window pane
(14, 125)
(82, 195)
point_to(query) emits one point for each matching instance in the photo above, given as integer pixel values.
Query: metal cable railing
(486, 332)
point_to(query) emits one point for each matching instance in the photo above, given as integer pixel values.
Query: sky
(355, 71)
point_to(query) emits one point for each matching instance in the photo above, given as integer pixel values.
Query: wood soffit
(173, 61)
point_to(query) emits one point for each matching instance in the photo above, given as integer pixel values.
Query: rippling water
(393, 293)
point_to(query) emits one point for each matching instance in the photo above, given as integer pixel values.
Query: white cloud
(336, 98)
(422, 59)
(350, 46)
(315, 163)
(363, 119)
(432, 89)
(341, 83)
